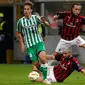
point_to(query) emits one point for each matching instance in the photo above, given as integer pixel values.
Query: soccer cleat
(46, 81)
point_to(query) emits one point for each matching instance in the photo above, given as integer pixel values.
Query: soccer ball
(33, 75)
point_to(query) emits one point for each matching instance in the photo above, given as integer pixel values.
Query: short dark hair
(29, 3)
(75, 4)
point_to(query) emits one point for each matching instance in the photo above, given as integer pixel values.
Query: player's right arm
(50, 57)
(60, 15)
(19, 36)
(57, 57)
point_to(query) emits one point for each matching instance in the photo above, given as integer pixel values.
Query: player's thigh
(32, 54)
(40, 47)
(80, 41)
(41, 51)
(62, 45)
(42, 56)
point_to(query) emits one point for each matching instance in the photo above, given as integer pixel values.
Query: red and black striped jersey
(71, 25)
(65, 67)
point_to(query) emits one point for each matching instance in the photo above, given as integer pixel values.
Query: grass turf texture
(17, 74)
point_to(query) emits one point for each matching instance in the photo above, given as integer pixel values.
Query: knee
(43, 57)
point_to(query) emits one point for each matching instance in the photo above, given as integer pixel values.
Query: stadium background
(13, 10)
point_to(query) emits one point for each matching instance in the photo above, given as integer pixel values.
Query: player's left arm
(56, 56)
(43, 20)
(78, 67)
(50, 57)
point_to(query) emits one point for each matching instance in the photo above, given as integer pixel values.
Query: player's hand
(55, 17)
(43, 18)
(44, 21)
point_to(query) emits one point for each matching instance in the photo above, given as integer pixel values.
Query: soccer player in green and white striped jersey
(28, 35)
(29, 29)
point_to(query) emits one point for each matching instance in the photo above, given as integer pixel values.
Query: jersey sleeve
(61, 15)
(19, 27)
(38, 19)
(77, 65)
(58, 57)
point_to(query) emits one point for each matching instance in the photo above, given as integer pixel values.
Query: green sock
(43, 68)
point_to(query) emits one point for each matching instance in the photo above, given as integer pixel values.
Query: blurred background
(12, 10)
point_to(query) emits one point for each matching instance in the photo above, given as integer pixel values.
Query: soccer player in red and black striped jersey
(68, 64)
(70, 32)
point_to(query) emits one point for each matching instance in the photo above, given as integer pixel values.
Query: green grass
(17, 74)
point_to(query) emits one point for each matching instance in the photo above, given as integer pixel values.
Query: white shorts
(50, 76)
(64, 44)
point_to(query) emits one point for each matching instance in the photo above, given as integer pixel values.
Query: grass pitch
(17, 74)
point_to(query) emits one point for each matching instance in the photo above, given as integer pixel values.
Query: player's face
(66, 54)
(27, 10)
(76, 10)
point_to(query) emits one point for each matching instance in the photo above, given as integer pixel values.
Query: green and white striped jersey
(29, 30)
